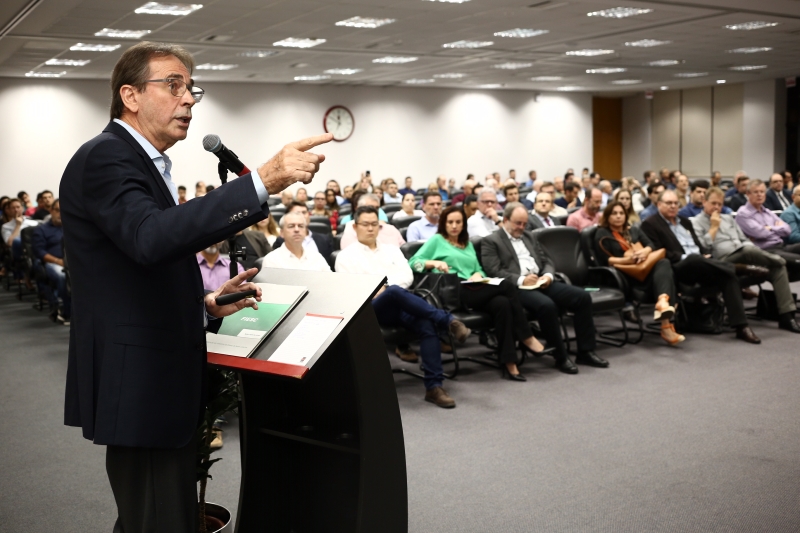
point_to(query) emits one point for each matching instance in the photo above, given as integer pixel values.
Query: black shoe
(751, 270)
(566, 366)
(788, 323)
(513, 377)
(591, 359)
(746, 334)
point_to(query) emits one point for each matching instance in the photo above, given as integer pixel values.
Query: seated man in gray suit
(514, 254)
(540, 217)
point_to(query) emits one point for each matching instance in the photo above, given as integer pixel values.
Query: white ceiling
(695, 27)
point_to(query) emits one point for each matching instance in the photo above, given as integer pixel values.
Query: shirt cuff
(520, 280)
(549, 275)
(263, 195)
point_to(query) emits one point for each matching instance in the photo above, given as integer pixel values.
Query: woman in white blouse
(408, 208)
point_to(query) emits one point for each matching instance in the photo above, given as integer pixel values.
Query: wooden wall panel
(607, 137)
(666, 130)
(728, 129)
(696, 132)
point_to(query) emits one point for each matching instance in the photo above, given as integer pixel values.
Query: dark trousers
(660, 280)
(501, 302)
(697, 269)
(155, 489)
(778, 275)
(546, 306)
(398, 307)
(791, 253)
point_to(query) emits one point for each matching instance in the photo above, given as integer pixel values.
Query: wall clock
(339, 121)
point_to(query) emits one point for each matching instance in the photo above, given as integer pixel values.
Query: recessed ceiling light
(419, 81)
(691, 74)
(547, 78)
(626, 82)
(754, 25)
(520, 33)
(468, 44)
(318, 77)
(749, 50)
(85, 47)
(344, 71)
(155, 8)
(258, 53)
(664, 63)
(294, 42)
(33, 74)
(589, 52)
(743, 68)
(720, 82)
(490, 86)
(647, 43)
(395, 60)
(449, 75)
(449, 1)
(571, 88)
(605, 70)
(212, 66)
(664, 87)
(364, 22)
(513, 66)
(619, 12)
(122, 34)
(67, 62)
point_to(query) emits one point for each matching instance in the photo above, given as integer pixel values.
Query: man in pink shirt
(765, 228)
(387, 234)
(589, 214)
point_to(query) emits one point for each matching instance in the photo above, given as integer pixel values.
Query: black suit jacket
(657, 229)
(499, 259)
(137, 352)
(772, 202)
(324, 244)
(535, 223)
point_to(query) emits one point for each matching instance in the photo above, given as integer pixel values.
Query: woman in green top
(449, 251)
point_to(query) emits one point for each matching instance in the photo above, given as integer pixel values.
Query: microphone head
(212, 143)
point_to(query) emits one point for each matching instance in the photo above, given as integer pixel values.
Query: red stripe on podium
(256, 365)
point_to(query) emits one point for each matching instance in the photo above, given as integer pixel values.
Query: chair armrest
(608, 277)
(560, 276)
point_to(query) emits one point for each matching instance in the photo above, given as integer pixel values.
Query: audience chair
(320, 228)
(273, 200)
(259, 264)
(34, 269)
(337, 241)
(390, 209)
(563, 244)
(405, 222)
(403, 232)
(345, 210)
(321, 219)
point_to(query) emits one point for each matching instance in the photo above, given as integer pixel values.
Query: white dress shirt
(309, 244)
(527, 264)
(283, 258)
(547, 221)
(479, 225)
(385, 260)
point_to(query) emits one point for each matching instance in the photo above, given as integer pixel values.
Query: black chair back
(403, 232)
(563, 244)
(476, 243)
(562, 219)
(332, 259)
(572, 209)
(391, 208)
(410, 248)
(279, 208)
(321, 219)
(259, 264)
(337, 241)
(319, 227)
(405, 222)
(587, 245)
(345, 209)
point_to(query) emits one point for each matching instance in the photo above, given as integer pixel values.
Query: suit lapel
(530, 244)
(119, 131)
(507, 244)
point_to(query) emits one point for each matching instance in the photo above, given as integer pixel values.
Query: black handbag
(700, 315)
(442, 291)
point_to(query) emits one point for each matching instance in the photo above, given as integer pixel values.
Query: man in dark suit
(323, 243)
(137, 351)
(514, 254)
(540, 218)
(692, 262)
(778, 198)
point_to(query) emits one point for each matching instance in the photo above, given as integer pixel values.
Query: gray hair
(291, 214)
(486, 192)
(510, 208)
(754, 183)
(368, 196)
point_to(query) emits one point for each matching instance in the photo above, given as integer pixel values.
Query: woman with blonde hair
(268, 227)
(625, 198)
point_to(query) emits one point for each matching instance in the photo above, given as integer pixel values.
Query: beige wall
(666, 130)
(728, 129)
(696, 132)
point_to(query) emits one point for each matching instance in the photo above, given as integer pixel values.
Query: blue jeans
(57, 277)
(398, 307)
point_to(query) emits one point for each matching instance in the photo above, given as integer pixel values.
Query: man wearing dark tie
(778, 198)
(137, 353)
(540, 218)
(514, 253)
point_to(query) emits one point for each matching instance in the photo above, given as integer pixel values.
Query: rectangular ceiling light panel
(513, 66)
(294, 42)
(344, 71)
(395, 60)
(619, 12)
(647, 43)
(468, 44)
(211, 66)
(753, 25)
(520, 33)
(589, 52)
(364, 22)
(68, 62)
(121, 34)
(605, 70)
(33, 74)
(177, 10)
(85, 47)
(258, 53)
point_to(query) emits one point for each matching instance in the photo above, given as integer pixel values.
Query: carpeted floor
(704, 437)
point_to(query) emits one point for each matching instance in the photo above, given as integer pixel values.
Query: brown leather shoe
(459, 331)
(747, 335)
(407, 354)
(751, 270)
(439, 396)
(663, 310)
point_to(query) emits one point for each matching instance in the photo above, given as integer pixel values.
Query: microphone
(234, 297)
(213, 144)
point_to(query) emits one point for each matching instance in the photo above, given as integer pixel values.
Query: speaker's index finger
(310, 142)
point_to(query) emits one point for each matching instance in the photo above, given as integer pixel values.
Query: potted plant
(223, 397)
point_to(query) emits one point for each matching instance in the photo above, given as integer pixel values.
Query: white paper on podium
(305, 339)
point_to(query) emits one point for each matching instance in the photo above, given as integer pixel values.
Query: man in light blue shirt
(426, 227)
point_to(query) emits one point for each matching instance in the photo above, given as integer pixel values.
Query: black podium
(322, 444)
